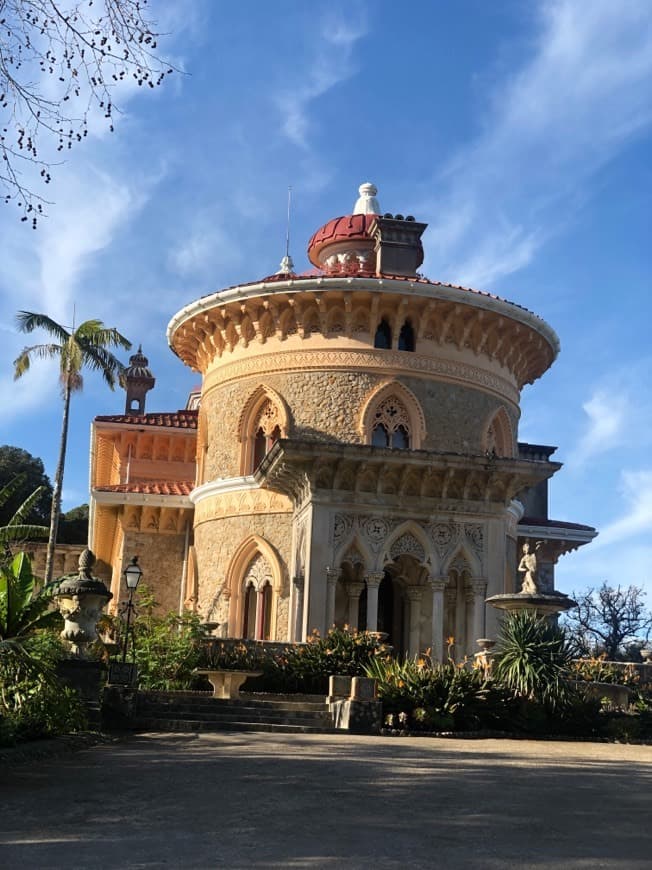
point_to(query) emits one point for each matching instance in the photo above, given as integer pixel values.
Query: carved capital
(354, 589)
(333, 575)
(414, 593)
(374, 579)
(479, 587)
(437, 584)
(298, 581)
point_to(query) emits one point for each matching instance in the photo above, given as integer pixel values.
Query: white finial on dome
(367, 202)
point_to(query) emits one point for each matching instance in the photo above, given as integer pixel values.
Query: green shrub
(167, 649)
(532, 660)
(420, 695)
(294, 668)
(33, 702)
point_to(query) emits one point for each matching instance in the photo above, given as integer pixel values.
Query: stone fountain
(531, 597)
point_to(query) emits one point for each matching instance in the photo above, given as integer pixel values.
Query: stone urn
(81, 599)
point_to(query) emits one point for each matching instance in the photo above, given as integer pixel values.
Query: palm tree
(85, 346)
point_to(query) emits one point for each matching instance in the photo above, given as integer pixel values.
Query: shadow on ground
(264, 801)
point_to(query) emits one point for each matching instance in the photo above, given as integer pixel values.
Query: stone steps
(187, 711)
(186, 725)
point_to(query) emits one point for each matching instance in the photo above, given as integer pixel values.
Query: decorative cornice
(223, 486)
(336, 307)
(385, 362)
(139, 498)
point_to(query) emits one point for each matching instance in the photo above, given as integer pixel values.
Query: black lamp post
(132, 575)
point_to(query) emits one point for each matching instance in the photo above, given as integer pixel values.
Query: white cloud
(637, 491)
(608, 413)
(581, 98)
(618, 414)
(91, 208)
(332, 63)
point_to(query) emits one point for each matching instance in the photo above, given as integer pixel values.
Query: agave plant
(532, 659)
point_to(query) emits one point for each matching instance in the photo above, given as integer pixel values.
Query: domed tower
(137, 381)
(357, 442)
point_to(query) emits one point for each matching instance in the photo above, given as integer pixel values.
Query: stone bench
(226, 684)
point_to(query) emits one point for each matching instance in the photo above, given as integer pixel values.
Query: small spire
(287, 265)
(367, 202)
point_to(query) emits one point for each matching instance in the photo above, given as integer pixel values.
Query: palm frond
(103, 336)
(28, 321)
(102, 360)
(39, 351)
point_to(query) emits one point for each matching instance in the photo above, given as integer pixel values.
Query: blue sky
(521, 132)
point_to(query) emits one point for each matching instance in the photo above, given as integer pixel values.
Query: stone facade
(357, 456)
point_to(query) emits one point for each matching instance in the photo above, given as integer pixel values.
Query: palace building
(352, 455)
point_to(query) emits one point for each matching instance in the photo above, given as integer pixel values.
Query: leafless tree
(608, 620)
(61, 61)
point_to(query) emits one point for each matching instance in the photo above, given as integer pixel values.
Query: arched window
(267, 432)
(383, 337)
(258, 598)
(264, 419)
(406, 339)
(499, 437)
(391, 425)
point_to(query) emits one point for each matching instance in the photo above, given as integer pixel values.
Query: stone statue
(528, 567)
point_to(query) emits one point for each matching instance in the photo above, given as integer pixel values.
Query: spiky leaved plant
(532, 659)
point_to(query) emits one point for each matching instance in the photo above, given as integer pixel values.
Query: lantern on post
(132, 575)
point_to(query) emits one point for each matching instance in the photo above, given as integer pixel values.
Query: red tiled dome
(341, 229)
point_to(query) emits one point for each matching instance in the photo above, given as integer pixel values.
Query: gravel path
(268, 801)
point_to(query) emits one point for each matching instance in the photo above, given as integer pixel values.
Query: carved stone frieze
(387, 361)
(259, 501)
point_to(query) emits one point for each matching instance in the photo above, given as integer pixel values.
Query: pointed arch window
(257, 602)
(406, 338)
(383, 337)
(266, 430)
(391, 425)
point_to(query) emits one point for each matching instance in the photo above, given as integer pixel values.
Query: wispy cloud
(91, 207)
(617, 414)
(637, 492)
(331, 64)
(607, 414)
(582, 97)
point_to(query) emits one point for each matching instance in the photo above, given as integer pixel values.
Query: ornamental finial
(367, 202)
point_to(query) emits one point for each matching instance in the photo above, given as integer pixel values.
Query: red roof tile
(350, 226)
(152, 487)
(175, 420)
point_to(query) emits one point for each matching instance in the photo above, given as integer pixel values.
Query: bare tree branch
(61, 61)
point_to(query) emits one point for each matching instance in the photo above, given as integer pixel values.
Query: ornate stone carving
(474, 533)
(342, 526)
(375, 529)
(389, 360)
(408, 545)
(259, 573)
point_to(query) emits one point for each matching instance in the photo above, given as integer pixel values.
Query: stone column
(332, 576)
(469, 600)
(437, 584)
(414, 595)
(297, 627)
(373, 581)
(479, 587)
(354, 590)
